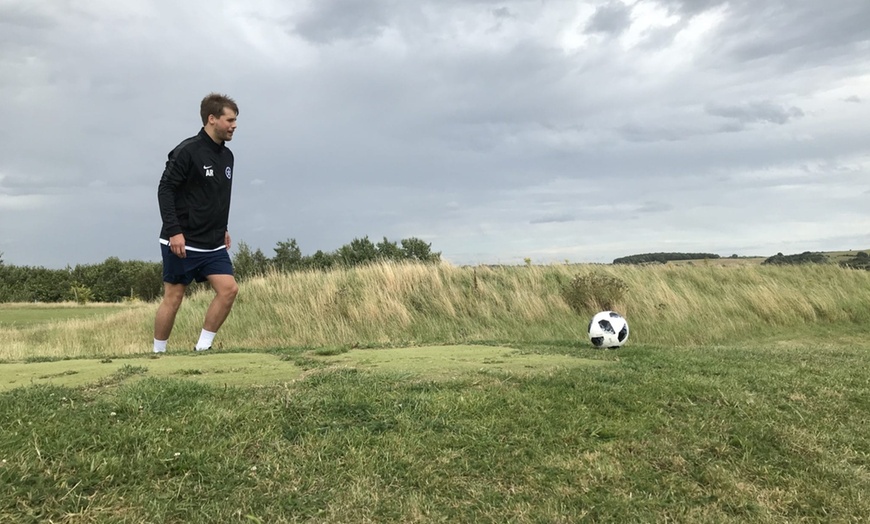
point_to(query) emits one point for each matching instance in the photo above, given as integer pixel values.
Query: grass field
(761, 418)
(21, 315)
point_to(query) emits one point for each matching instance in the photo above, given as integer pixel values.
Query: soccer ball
(608, 329)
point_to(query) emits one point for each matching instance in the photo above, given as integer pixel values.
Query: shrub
(81, 293)
(593, 291)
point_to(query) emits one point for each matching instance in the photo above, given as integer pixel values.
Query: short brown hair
(214, 104)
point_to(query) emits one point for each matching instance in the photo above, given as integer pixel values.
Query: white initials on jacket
(208, 170)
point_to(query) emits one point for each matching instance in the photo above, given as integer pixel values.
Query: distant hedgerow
(663, 258)
(807, 257)
(860, 261)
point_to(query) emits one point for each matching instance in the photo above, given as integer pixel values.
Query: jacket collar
(207, 139)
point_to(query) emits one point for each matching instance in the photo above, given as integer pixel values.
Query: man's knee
(173, 295)
(232, 291)
(226, 288)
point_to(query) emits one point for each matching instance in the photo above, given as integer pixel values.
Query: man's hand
(227, 240)
(176, 245)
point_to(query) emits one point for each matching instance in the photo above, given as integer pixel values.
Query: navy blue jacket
(194, 192)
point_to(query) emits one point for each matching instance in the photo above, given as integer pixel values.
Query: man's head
(219, 114)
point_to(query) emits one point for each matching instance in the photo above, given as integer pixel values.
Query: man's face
(225, 125)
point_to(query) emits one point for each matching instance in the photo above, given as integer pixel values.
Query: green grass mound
(261, 369)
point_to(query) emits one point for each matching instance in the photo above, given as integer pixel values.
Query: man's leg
(173, 294)
(225, 289)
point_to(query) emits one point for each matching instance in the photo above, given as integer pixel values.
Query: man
(194, 197)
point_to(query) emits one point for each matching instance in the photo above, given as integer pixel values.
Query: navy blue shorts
(196, 266)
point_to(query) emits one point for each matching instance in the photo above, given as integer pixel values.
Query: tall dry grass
(407, 304)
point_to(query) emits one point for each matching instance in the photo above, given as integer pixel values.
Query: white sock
(205, 339)
(160, 346)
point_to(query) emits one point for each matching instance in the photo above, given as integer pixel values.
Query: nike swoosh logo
(206, 167)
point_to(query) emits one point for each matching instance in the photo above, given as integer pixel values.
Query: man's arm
(174, 176)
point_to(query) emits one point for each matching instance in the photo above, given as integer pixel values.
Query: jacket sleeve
(174, 177)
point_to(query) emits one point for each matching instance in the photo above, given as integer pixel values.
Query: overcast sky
(495, 130)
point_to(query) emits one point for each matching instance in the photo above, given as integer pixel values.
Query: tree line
(662, 258)
(116, 280)
(288, 256)
(807, 257)
(861, 260)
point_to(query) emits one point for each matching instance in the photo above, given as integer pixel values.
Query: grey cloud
(656, 133)
(502, 12)
(333, 20)
(654, 207)
(765, 111)
(16, 19)
(553, 219)
(612, 18)
(660, 38)
(694, 7)
(797, 35)
(855, 99)
(372, 115)
(732, 126)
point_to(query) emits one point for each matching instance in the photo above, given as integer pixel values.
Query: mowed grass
(265, 369)
(752, 434)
